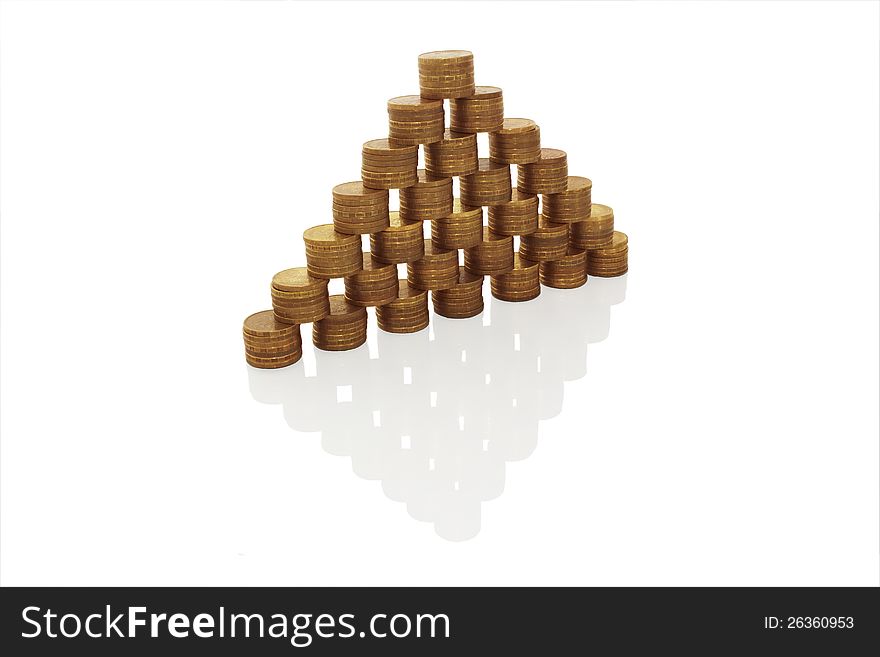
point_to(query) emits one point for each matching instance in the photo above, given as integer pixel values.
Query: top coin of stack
(446, 74)
(414, 120)
(387, 166)
(429, 198)
(571, 205)
(482, 112)
(517, 142)
(358, 210)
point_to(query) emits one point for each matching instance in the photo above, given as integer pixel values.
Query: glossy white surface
(159, 163)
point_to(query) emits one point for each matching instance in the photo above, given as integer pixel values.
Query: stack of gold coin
(344, 328)
(407, 313)
(402, 241)
(547, 175)
(298, 298)
(415, 120)
(521, 283)
(519, 216)
(330, 254)
(610, 260)
(429, 198)
(490, 185)
(569, 206)
(373, 285)
(462, 300)
(596, 232)
(269, 344)
(549, 242)
(460, 229)
(358, 210)
(482, 112)
(517, 142)
(437, 269)
(446, 74)
(492, 256)
(454, 155)
(567, 272)
(387, 166)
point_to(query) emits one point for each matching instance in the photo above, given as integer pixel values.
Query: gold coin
(516, 126)
(372, 272)
(263, 324)
(445, 57)
(514, 159)
(271, 351)
(301, 315)
(414, 103)
(483, 93)
(287, 343)
(394, 181)
(609, 274)
(325, 235)
(355, 192)
(298, 280)
(389, 327)
(272, 363)
(503, 294)
(619, 241)
(601, 212)
(427, 181)
(382, 148)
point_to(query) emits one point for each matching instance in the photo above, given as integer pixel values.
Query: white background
(161, 160)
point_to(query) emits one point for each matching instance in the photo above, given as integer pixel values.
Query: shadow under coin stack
(562, 236)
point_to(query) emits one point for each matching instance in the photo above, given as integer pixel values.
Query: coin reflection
(436, 415)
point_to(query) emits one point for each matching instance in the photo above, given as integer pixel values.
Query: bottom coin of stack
(567, 272)
(522, 283)
(269, 344)
(461, 301)
(609, 260)
(344, 328)
(408, 313)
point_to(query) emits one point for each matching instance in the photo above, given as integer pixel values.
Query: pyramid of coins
(560, 244)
